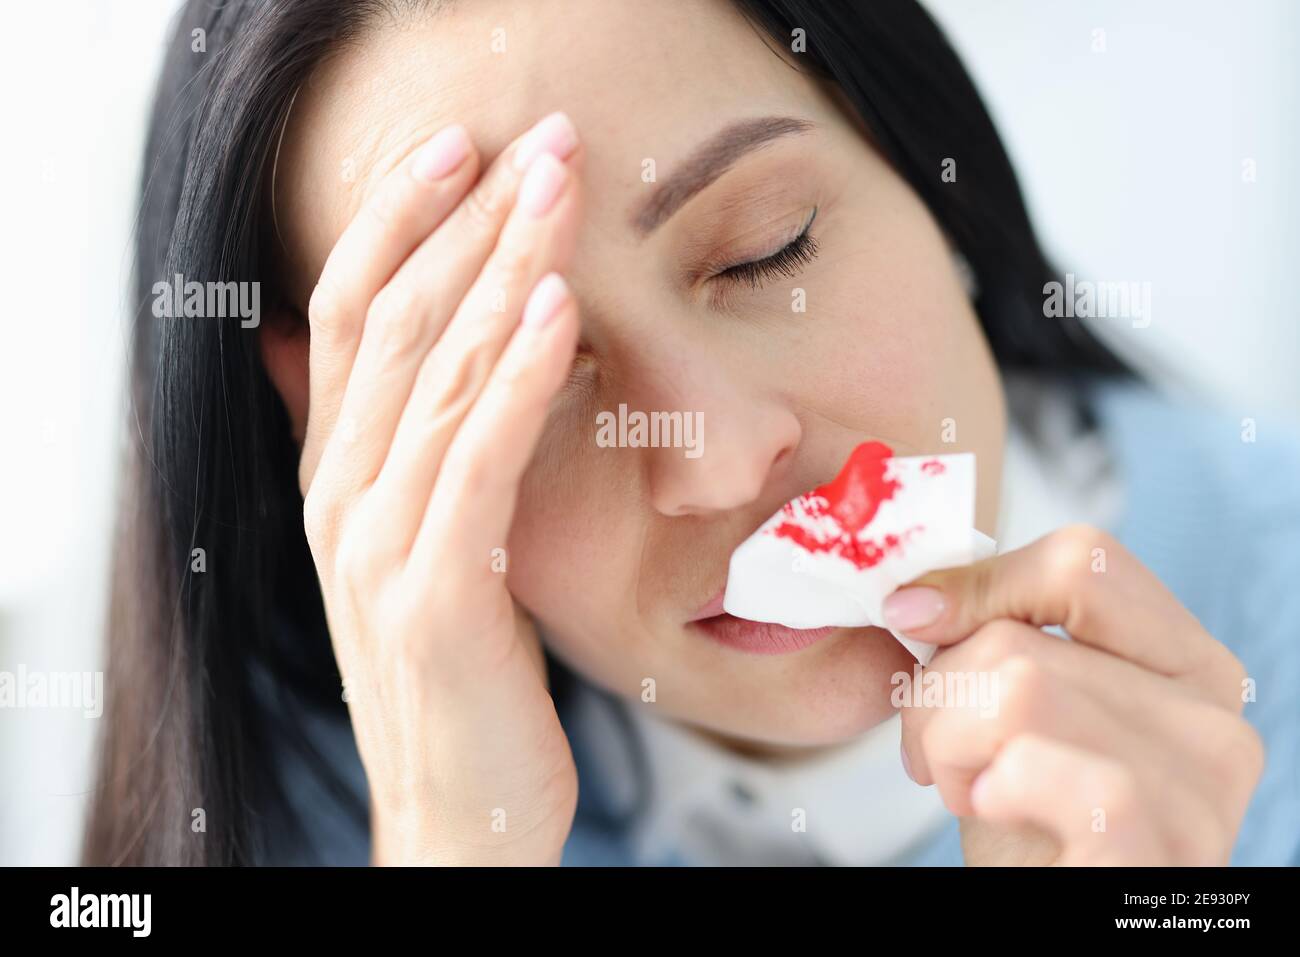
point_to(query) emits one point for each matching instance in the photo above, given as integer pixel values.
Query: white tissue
(926, 524)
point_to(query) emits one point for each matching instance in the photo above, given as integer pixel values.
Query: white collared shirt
(853, 805)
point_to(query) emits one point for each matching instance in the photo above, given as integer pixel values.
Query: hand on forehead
(497, 67)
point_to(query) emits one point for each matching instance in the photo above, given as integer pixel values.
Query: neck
(763, 750)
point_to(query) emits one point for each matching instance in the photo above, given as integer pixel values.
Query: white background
(1131, 160)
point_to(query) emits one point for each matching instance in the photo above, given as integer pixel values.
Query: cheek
(889, 336)
(931, 380)
(569, 546)
(550, 553)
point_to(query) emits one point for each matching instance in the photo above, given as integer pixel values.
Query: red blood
(800, 536)
(933, 467)
(855, 494)
(852, 499)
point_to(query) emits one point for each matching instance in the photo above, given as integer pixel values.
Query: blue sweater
(1215, 517)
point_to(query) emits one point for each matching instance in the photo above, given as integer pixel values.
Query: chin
(830, 694)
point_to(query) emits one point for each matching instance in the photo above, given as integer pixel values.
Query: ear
(285, 339)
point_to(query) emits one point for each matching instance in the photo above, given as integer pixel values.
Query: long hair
(213, 586)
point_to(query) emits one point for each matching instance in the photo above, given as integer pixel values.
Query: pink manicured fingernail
(542, 184)
(544, 303)
(910, 608)
(442, 154)
(554, 134)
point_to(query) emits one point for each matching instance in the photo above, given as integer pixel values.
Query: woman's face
(615, 550)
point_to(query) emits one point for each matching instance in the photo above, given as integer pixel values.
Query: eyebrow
(709, 161)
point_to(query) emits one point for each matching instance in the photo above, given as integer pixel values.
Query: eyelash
(785, 263)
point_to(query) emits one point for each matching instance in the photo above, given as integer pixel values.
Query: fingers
(1010, 680)
(472, 508)
(407, 314)
(1097, 807)
(950, 746)
(1138, 698)
(1056, 786)
(537, 239)
(1083, 580)
(407, 204)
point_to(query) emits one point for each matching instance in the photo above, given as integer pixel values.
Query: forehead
(642, 80)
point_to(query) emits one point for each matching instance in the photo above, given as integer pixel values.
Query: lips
(753, 637)
(712, 607)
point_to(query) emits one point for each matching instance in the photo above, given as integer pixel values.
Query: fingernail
(541, 185)
(554, 134)
(979, 790)
(907, 765)
(911, 608)
(550, 293)
(442, 154)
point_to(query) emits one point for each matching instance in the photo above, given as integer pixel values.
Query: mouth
(753, 637)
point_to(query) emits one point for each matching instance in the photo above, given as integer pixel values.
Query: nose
(748, 439)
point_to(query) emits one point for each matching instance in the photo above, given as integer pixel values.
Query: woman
(479, 224)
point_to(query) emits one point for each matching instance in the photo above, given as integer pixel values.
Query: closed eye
(786, 262)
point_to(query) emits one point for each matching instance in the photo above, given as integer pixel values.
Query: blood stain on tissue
(933, 467)
(851, 499)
